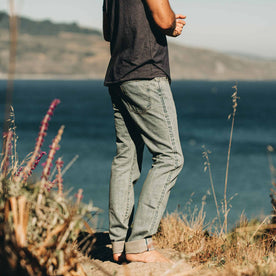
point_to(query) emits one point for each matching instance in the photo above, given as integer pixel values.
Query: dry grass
(246, 250)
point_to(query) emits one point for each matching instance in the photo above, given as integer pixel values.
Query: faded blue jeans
(145, 114)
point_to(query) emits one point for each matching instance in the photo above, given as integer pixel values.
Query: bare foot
(119, 257)
(152, 256)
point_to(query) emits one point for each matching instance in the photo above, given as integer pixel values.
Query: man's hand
(179, 24)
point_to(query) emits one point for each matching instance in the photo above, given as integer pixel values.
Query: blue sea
(203, 108)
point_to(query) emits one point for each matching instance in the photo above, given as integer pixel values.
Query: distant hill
(52, 50)
(44, 27)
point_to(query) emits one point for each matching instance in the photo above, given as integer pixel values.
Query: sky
(233, 26)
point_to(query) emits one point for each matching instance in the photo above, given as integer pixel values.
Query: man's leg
(151, 106)
(125, 171)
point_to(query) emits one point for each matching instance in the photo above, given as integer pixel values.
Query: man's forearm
(162, 14)
(170, 24)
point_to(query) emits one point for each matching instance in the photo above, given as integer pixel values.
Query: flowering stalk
(19, 171)
(79, 196)
(36, 162)
(39, 141)
(5, 163)
(59, 180)
(207, 166)
(54, 147)
(235, 104)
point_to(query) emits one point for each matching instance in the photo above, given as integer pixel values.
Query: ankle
(119, 257)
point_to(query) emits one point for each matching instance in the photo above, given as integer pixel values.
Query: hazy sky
(246, 26)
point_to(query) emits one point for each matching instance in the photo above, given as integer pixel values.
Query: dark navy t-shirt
(138, 48)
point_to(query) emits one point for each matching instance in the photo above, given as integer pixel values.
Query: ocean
(203, 108)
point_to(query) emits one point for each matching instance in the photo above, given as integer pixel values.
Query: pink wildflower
(36, 162)
(39, 141)
(19, 170)
(54, 147)
(59, 180)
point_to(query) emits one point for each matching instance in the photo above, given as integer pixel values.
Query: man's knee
(173, 161)
(179, 161)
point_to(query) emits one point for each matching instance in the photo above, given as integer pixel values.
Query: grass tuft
(38, 224)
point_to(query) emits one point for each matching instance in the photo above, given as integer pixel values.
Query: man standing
(138, 77)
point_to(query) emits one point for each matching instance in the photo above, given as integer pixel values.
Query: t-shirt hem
(109, 83)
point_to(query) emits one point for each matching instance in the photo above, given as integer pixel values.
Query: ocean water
(203, 108)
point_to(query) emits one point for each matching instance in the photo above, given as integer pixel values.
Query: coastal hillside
(50, 50)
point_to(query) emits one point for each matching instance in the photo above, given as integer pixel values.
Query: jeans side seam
(129, 187)
(172, 141)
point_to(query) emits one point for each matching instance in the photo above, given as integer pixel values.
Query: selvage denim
(144, 114)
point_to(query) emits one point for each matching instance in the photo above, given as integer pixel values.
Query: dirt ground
(100, 263)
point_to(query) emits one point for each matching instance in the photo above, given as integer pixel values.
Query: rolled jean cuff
(118, 247)
(139, 246)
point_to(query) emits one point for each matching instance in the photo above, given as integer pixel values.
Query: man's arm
(106, 30)
(164, 17)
